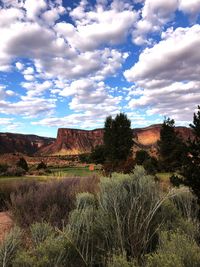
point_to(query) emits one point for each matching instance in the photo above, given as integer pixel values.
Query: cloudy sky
(72, 63)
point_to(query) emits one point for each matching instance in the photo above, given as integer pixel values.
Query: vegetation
(50, 202)
(22, 164)
(121, 221)
(42, 166)
(191, 170)
(124, 220)
(117, 140)
(172, 150)
(150, 164)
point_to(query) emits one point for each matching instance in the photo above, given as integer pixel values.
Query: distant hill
(75, 141)
(22, 143)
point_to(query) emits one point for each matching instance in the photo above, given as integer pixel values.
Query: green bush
(175, 249)
(120, 261)
(9, 247)
(40, 232)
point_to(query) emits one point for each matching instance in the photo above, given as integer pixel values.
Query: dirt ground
(5, 224)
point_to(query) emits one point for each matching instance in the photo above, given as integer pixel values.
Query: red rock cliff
(74, 141)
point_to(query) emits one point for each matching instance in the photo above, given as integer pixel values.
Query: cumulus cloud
(175, 58)
(168, 74)
(9, 124)
(97, 27)
(191, 7)
(28, 107)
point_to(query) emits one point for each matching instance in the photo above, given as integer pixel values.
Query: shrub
(120, 261)
(50, 202)
(3, 169)
(9, 247)
(123, 217)
(15, 171)
(51, 252)
(40, 232)
(175, 249)
(41, 166)
(47, 202)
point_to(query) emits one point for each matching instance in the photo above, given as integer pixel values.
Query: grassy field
(55, 173)
(73, 171)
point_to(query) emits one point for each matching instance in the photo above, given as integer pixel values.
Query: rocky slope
(21, 143)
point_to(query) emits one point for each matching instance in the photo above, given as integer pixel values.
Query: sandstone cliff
(74, 141)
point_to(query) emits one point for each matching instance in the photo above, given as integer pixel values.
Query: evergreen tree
(192, 169)
(118, 138)
(172, 150)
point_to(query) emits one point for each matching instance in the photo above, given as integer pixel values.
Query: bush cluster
(51, 202)
(121, 221)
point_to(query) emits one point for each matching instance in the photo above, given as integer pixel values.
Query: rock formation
(74, 141)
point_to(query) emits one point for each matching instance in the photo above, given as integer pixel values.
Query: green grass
(72, 171)
(55, 173)
(164, 176)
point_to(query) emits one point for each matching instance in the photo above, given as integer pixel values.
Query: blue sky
(72, 63)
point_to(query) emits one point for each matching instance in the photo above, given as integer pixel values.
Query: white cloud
(169, 75)
(153, 16)
(19, 65)
(35, 88)
(28, 107)
(175, 58)
(34, 8)
(9, 124)
(97, 27)
(191, 7)
(9, 16)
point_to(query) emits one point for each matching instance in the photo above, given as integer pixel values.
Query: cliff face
(149, 136)
(21, 143)
(73, 142)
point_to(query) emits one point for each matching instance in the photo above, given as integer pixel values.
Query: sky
(70, 64)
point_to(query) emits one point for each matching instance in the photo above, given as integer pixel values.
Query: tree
(118, 138)
(192, 168)
(172, 150)
(141, 156)
(98, 154)
(22, 164)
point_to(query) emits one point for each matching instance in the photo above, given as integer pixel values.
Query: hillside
(22, 143)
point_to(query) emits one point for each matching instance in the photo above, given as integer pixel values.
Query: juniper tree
(118, 138)
(172, 150)
(192, 169)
